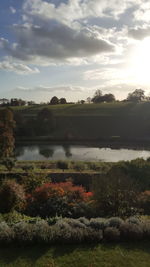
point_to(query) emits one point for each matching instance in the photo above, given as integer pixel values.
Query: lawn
(104, 255)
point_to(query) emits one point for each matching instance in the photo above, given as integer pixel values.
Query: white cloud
(75, 10)
(139, 33)
(143, 12)
(56, 43)
(18, 68)
(49, 89)
(12, 10)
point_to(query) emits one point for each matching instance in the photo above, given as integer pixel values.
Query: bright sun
(140, 63)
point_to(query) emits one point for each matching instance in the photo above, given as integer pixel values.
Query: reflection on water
(74, 152)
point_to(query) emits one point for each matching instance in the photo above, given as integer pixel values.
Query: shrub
(28, 168)
(32, 181)
(146, 229)
(15, 217)
(84, 221)
(98, 223)
(12, 196)
(111, 234)
(144, 200)
(115, 194)
(6, 233)
(74, 223)
(133, 220)
(62, 199)
(42, 231)
(131, 231)
(90, 235)
(79, 166)
(114, 222)
(23, 232)
(53, 220)
(63, 165)
(9, 163)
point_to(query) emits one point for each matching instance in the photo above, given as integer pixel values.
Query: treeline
(137, 95)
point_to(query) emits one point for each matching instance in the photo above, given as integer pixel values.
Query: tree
(97, 96)
(54, 100)
(7, 125)
(88, 100)
(62, 101)
(108, 98)
(136, 96)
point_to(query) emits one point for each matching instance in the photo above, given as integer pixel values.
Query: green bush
(111, 234)
(42, 231)
(28, 168)
(6, 233)
(114, 222)
(63, 165)
(24, 232)
(131, 231)
(12, 196)
(32, 180)
(146, 229)
(98, 223)
(79, 166)
(133, 220)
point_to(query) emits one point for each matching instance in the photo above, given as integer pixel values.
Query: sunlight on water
(81, 153)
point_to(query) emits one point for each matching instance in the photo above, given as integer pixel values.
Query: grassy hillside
(103, 109)
(127, 121)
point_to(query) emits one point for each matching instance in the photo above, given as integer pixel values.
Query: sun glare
(140, 63)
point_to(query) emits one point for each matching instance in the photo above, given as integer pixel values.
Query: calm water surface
(78, 152)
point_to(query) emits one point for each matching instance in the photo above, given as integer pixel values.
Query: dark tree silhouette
(136, 96)
(54, 100)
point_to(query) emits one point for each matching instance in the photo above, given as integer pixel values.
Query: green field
(105, 255)
(107, 109)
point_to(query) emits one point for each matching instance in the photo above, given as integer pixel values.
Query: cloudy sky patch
(84, 43)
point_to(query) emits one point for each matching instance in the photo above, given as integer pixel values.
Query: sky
(71, 48)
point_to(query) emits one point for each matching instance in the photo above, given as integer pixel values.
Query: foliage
(53, 199)
(131, 231)
(54, 100)
(28, 168)
(12, 196)
(137, 95)
(6, 233)
(111, 234)
(9, 163)
(32, 180)
(99, 98)
(68, 230)
(7, 125)
(63, 165)
(144, 199)
(115, 194)
(79, 166)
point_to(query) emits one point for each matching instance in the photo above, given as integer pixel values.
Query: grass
(103, 255)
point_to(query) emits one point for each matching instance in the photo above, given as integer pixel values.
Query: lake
(78, 153)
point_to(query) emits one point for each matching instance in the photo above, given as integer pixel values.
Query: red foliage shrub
(56, 198)
(51, 190)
